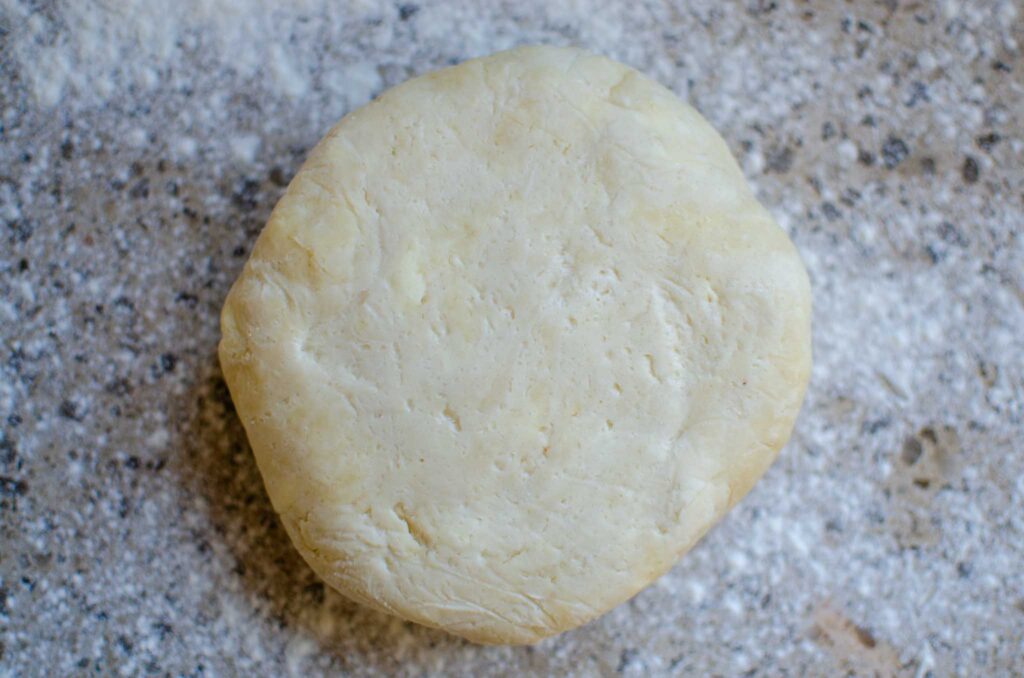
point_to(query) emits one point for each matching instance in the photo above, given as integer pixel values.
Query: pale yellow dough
(515, 337)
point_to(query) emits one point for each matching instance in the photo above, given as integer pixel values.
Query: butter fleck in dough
(515, 337)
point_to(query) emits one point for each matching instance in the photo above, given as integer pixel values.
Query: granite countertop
(142, 150)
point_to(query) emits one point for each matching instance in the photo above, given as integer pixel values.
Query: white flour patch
(97, 51)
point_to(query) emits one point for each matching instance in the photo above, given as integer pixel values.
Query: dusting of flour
(94, 50)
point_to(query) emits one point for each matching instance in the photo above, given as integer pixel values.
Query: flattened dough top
(515, 337)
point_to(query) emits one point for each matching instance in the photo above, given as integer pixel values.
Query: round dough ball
(515, 337)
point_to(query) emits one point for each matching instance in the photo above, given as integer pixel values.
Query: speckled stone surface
(136, 171)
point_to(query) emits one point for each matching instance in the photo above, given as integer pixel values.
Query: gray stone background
(141, 150)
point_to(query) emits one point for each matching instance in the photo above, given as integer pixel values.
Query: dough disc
(515, 337)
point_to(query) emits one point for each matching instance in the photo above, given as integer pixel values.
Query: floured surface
(884, 138)
(515, 336)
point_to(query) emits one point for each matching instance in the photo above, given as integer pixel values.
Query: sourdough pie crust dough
(515, 337)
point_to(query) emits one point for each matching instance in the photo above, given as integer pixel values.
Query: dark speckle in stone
(828, 131)
(244, 197)
(23, 265)
(119, 387)
(12, 488)
(67, 149)
(8, 451)
(1001, 67)
(14, 420)
(21, 229)
(894, 151)
(928, 166)
(970, 171)
(912, 451)
(3, 600)
(780, 159)
(132, 462)
(125, 645)
(762, 7)
(830, 211)
(187, 298)
(625, 659)
(238, 251)
(865, 157)
(407, 11)
(69, 410)
(951, 234)
(277, 176)
(864, 637)
(876, 425)
(140, 189)
(16, 359)
(964, 570)
(988, 141)
(916, 93)
(316, 592)
(163, 629)
(124, 304)
(168, 361)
